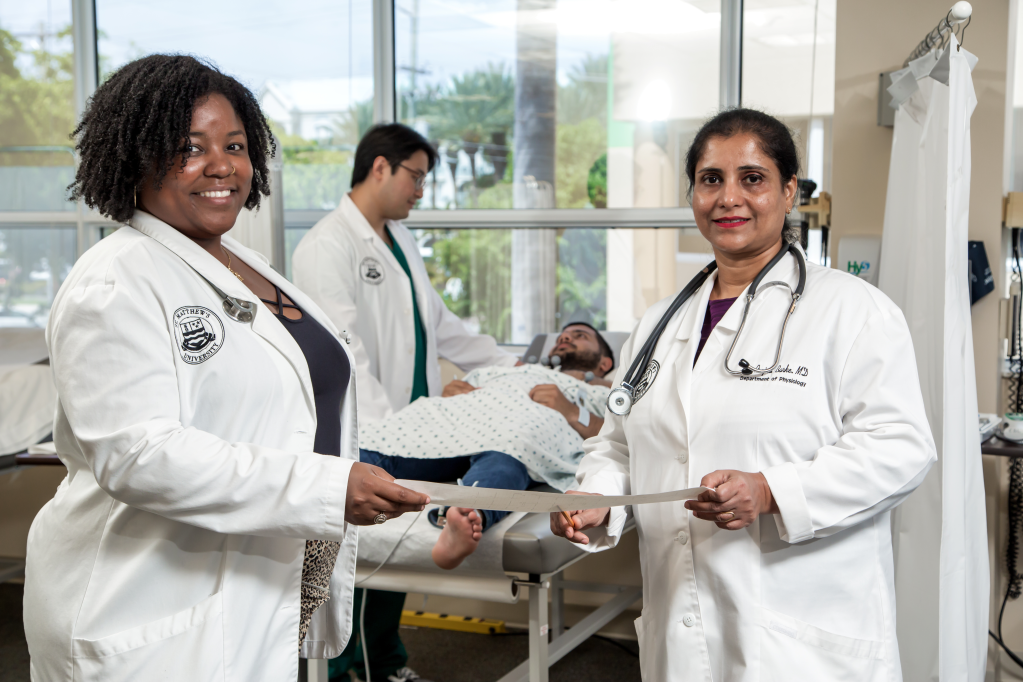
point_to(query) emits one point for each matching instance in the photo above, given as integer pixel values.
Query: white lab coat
(173, 549)
(841, 436)
(350, 272)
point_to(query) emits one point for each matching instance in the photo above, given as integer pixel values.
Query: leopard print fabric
(320, 557)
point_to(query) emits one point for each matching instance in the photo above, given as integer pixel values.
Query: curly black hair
(138, 122)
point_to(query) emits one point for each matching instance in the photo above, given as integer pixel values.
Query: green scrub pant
(387, 654)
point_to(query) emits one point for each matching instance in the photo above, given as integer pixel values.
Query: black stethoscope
(635, 384)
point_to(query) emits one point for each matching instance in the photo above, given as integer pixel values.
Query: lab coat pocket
(793, 649)
(188, 645)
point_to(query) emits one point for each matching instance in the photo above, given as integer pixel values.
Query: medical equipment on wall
(644, 368)
(982, 280)
(989, 425)
(1014, 405)
(860, 256)
(804, 190)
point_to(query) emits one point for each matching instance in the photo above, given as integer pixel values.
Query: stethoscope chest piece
(238, 310)
(619, 401)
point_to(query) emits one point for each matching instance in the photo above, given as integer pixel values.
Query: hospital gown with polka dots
(498, 416)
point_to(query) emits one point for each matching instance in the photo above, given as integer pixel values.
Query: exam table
(534, 561)
(27, 393)
(27, 399)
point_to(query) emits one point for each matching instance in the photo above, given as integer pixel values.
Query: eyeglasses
(418, 175)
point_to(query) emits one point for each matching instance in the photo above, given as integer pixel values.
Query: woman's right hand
(372, 491)
(581, 520)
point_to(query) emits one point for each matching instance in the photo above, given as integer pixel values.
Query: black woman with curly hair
(201, 533)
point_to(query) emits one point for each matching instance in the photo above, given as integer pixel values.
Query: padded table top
(531, 547)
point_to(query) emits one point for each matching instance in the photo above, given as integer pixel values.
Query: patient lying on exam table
(499, 427)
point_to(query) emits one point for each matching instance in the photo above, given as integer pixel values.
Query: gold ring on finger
(730, 515)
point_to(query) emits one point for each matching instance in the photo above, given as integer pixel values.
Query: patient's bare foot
(459, 539)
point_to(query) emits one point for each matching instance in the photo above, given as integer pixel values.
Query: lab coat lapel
(270, 328)
(349, 422)
(200, 260)
(761, 316)
(358, 222)
(408, 246)
(290, 290)
(689, 334)
(213, 271)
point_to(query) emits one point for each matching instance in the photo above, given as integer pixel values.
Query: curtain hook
(963, 34)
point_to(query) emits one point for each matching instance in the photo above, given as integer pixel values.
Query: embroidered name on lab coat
(371, 271)
(795, 376)
(199, 334)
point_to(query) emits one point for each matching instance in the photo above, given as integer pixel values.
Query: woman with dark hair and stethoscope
(791, 390)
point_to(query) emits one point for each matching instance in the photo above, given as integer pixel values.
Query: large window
(472, 270)
(557, 106)
(36, 105)
(789, 71)
(310, 63)
(556, 103)
(34, 261)
(36, 159)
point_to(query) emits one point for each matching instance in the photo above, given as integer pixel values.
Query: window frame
(89, 224)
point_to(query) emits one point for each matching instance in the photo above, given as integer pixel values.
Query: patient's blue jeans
(487, 470)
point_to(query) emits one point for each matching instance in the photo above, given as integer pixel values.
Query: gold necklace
(228, 254)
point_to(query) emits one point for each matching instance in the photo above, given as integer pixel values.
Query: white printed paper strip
(535, 502)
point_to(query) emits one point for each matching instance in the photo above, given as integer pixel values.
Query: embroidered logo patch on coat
(645, 381)
(371, 271)
(199, 334)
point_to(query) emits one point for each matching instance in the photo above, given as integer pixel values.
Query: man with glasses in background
(363, 268)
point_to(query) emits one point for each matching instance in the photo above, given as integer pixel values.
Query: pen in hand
(568, 517)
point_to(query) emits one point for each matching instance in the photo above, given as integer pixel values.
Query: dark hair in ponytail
(774, 138)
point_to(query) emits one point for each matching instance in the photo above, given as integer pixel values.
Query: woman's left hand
(737, 500)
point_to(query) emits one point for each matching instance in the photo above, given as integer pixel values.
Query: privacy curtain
(940, 532)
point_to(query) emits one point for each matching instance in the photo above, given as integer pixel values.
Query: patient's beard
(581, 361)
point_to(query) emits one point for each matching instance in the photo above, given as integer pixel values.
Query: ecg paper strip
(535, 502)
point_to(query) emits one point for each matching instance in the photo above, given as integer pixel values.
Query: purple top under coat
(715, 311)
